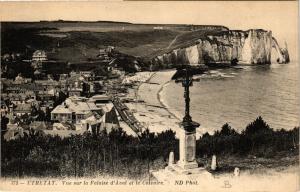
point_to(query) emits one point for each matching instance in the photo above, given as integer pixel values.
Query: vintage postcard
(150, 96)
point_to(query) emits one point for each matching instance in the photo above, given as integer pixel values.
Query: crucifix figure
(187, 82)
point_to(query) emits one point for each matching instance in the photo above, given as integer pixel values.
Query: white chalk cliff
(254, 46)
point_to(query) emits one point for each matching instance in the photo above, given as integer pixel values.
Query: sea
(237, 96)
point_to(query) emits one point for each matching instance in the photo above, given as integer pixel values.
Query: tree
(100, 71)
(4, 122)
(48, 114)
(167, 142)
(259, 125)
(147, 141)
(58, 100)
(227, 130)
(258, 132)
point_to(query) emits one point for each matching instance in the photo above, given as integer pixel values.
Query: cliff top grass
(72, 41)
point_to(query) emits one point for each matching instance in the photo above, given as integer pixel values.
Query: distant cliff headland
(151, 46)
(255, 46)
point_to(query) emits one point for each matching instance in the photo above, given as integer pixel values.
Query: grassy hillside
(80, 41)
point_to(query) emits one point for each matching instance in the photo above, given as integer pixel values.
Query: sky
(280, 17)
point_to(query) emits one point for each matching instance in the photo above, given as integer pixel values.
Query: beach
(153, 113)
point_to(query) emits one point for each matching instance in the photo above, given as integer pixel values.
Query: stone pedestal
(187, 150)
(187, 167)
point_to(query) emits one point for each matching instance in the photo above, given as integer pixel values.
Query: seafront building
(86, 113)
(73, 110)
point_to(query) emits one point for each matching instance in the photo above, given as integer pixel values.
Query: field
(81, 41)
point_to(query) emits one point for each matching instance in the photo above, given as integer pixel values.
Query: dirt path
(173, 41)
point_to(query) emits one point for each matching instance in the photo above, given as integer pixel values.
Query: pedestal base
(186, 165)
(177, 172)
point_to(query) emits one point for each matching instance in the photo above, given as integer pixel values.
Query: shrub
(117, 153)
(114, 153)
(257, 139)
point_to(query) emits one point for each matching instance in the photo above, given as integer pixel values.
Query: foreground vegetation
(257, 139)
(119, 154)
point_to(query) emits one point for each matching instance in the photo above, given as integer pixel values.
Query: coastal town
(89, 93)
(74, 103)
(157, 103)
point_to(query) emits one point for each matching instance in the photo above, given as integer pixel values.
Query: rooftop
(23, 107)
(62, 109)
(46, 82)
(100, 97)
(79, 105)
(39, 53)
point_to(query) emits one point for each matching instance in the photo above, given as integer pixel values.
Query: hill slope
(80, 41)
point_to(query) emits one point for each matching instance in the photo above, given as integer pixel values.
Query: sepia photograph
(150, 96)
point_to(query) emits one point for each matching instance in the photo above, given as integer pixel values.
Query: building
(89, 114)
(104, 53)
(75, 84)
(92, 123)
(74, 109)
(22, 109)
(75, 91)
(21, 80)
(21, 88)
(101, 100)
(47, 84)
(62, 113)
(110, 120)
(106, 50)
(87, 74)
(63, 83)
(158, 28)
(39, 56)
(19, 98)
(49, 89)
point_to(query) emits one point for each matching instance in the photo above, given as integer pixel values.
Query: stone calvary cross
(187, 166)
(187, 146)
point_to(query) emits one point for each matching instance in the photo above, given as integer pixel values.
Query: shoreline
(161, 101)
(164, 83)
(153, 112)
